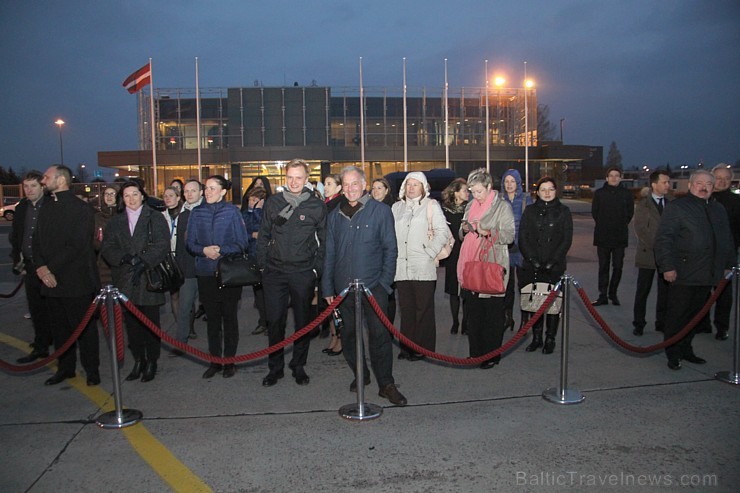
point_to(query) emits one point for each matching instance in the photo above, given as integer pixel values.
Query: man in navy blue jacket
(361, 244)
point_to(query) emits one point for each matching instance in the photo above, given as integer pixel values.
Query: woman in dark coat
(216, 228)
(545, 236)
(108, 210)
(454, 200)
(134, 240)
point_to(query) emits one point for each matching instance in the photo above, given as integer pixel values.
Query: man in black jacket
(612, 209)
(21, 233)
(290, 252)
(65, 263)
(693, 248)
(731, 202)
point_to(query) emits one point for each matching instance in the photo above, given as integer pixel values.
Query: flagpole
(488, 135)
(447, 123)
(526, 133)
(405, 123)
(153, 123)
(362, 120)
(197, 119)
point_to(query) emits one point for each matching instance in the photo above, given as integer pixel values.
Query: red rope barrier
(168, 339)
(75, 335)
(104, 320)
(15, 291)
(118, 320)
(462, 361)
(662, 345)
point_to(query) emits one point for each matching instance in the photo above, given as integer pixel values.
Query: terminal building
(251, 131)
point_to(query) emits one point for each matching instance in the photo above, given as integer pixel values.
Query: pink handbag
(481, 276)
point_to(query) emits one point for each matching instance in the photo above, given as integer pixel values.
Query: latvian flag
(136, 81)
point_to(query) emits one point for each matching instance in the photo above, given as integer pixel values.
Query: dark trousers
(259, 302)
(684, 302)
(380, 342)
(282, 291)
(65, 315)
(485, 323)
(416, 303)
(614, 257)
(221, 305)
(722, 309)
(143, 343)
(510, 295)
(644, 285)
(42, 337)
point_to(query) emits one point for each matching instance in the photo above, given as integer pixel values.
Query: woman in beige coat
(419, 242)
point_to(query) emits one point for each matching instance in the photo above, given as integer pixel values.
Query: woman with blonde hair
(454, 201)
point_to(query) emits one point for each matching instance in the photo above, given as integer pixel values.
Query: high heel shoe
(331, 352)
(136, 370)
(150, 369)
(453, 330)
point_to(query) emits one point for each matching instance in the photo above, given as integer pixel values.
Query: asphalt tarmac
(641, 427)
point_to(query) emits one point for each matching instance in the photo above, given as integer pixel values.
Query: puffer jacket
(545, 237)
(520, 201)
(215, 224)
(296, 245)
(416, 252)
(694, 239)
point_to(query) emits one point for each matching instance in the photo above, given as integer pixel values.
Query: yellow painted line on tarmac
(159, 458)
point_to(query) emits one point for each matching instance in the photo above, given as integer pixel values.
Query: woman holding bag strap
(545, 236)
(487, 216)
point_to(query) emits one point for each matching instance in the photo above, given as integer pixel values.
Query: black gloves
(131, 260)
(136, 271)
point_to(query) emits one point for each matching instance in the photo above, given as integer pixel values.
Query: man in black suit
(21, 233)
(65, 263)
(647, 218)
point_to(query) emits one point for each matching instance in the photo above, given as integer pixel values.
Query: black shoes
(136, 370)
(175, 353)
(486, 365)
(212, 370)
(637, 331)
(150, 369)
(36, 354)
(721, 336)
(272, 378)
(549, 345)
(331, 352)
(599, 302)
(260, 329)
(353, 385)
(454, 328)
(416, 357)
(391, 393)
(93, 378)
(674, 364)
(59, 377)
(199, 312)
(403, 355)
(615, 301)
(192, 334)
(229, 371)
(692, 358)
(535, 345)
(300, 376)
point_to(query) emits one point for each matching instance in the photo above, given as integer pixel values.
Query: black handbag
(237, 269)
(166, 275)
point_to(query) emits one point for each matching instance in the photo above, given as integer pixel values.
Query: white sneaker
(27, 316)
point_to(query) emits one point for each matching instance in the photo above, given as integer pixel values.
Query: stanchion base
(569, 396)
(110, 421)
(728, 377)
(352, 411)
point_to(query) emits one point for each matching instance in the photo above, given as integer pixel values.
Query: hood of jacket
(517, 177)
(418, 176)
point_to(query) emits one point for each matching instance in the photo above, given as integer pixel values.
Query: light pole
(60, 122)
(528, 84)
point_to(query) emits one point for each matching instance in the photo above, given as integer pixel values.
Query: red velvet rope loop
(15, 291)
(462, 361)
(662, 345)
(118, 320)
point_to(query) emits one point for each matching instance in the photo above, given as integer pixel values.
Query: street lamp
(60, 122)
(528, 84)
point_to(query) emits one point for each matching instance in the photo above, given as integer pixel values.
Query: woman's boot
(150, 369)
(536, 339)
(552, 322)
(136, 370)
(508, 319)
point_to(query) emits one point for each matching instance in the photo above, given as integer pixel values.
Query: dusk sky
(661, 78)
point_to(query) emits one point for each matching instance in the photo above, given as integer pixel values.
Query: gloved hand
(131, 259)
(137, 270)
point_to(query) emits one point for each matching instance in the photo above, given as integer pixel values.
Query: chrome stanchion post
(733, 376)
(120, 418)
(562, 394)
(360, 410)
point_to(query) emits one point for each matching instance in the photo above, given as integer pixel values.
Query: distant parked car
(8, 211)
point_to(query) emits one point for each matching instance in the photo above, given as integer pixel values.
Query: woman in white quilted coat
(419, 242)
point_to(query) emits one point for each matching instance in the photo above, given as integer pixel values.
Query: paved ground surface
(642, 427)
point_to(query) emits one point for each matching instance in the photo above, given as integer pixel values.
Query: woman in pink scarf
(486, 216)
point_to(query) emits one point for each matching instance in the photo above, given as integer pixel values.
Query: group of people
(310, 246)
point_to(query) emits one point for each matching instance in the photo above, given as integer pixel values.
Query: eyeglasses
(110, 194)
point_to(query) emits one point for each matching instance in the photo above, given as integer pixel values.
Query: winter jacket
(184, 258)
(647, 219)
(362, 247)
(219, 224)
(101, 221)
(520, 201)
(18, 227)
(63, 242)
(119, 242)
(694, 239)
(252, 220)
(731, 203)
(612, 209)
(416, 252)
(296, 245)
(545, 237)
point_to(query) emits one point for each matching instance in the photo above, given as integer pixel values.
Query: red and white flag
(136, 81)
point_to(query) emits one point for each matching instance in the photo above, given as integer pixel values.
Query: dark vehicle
(438, 179)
